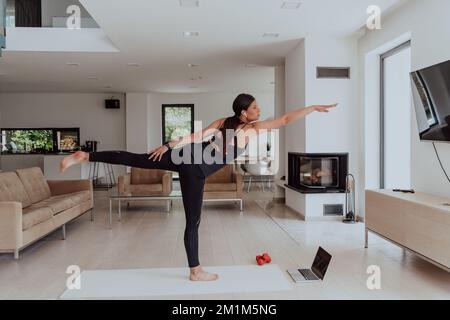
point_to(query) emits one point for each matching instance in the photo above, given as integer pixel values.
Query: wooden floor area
(148, 237)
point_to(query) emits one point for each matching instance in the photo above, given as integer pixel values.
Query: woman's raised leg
(136, 160)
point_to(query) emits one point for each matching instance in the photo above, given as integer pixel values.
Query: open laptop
(317, 271)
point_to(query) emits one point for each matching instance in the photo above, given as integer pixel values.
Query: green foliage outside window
(28, 140)
(177, 122)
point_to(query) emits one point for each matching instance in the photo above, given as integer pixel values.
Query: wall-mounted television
(431, 97)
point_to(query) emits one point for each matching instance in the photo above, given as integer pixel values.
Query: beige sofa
(31, 207)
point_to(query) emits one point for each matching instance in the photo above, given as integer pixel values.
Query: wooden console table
(418, 222)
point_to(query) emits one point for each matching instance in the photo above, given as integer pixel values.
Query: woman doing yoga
(199, 159)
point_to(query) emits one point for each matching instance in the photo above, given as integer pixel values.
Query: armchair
(146, 182)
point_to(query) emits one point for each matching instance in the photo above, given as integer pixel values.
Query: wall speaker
(112, 104)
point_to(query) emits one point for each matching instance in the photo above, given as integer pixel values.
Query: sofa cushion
(220, 187)
(143, 189)
(34, 215)
(12, 189)
(146, 176)
(57, 204)
(79, 197)
(35, 184)
(60, 203)
(224, 175)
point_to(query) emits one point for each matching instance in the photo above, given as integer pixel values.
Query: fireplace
(317, 173)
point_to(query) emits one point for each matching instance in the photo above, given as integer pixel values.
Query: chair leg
(63, 228)
(168, 205)
(16, 254)
(249, 183)
(92, 214)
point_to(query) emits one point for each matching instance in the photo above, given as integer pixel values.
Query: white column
(280, 109)
(136, 122)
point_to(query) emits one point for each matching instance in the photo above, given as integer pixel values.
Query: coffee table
(115, 195)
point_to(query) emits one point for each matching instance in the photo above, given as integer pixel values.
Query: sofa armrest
(167, 183)
(124, 183)
(60, 187)
(10, 225)
(239, 180)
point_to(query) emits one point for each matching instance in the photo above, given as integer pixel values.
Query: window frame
(163, 117)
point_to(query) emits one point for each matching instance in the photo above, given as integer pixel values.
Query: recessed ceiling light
(270, 35)
(191, 65)
(190, 3)
(191, 34)
(291, 5)
(249, 65)
(73, 64)
(134, 64)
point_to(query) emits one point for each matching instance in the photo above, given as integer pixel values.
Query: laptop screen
(321, 262)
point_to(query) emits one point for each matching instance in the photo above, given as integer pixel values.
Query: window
(27, 140)
(10, 13)
(177, 121)
(395, 119)
(39, 140)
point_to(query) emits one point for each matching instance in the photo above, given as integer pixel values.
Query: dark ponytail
(241, 103)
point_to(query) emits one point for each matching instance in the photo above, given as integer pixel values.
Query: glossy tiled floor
(148, 237)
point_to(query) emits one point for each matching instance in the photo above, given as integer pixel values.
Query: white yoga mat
(136, 283)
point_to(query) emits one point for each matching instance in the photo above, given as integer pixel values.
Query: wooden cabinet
(419, 222)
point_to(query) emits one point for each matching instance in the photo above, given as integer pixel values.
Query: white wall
(57, 8)
(207, 108)
(295, 137)
(86, 111)
(137, 135)
(428, 25)
(295, 97)
(338, 131)
(280, 109)
(335, 132)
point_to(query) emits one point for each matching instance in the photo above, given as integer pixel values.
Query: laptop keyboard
(308, 274)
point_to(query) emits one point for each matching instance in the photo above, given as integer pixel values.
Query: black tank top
(208, 168)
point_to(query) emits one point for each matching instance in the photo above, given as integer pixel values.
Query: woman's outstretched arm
(156, 154)
(290, 117)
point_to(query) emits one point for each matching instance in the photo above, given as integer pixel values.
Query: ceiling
(150, 33)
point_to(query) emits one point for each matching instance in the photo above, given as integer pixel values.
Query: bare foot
(76, 158)
(198, 274)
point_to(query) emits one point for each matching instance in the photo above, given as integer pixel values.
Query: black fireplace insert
(317, 173)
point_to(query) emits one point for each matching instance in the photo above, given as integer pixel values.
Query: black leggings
(192, 181)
